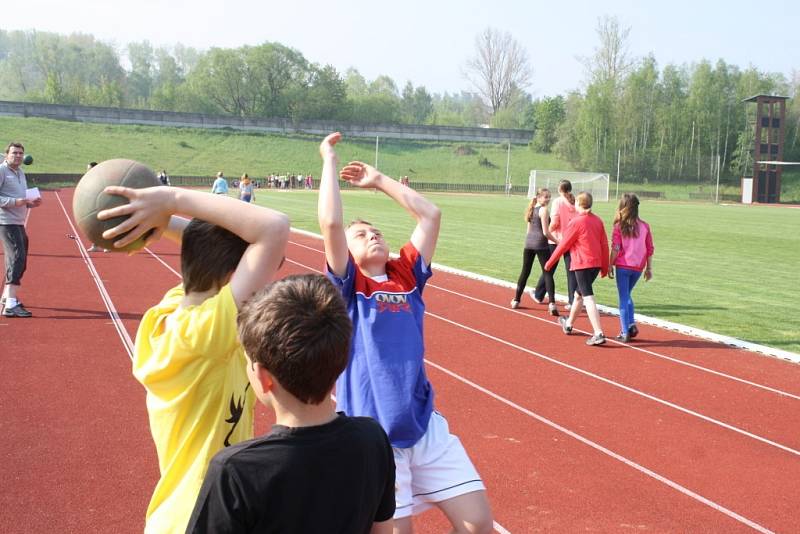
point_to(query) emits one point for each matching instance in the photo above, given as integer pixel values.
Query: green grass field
(724, 268)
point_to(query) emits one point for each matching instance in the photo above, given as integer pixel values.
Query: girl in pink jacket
(631, 253)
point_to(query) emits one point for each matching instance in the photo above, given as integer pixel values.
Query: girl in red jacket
(585, 239)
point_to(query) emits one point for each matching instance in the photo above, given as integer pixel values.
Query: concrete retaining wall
(283, 126)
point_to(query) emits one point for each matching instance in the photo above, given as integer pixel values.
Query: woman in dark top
(538, 220)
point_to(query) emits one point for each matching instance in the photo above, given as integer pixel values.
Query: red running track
(667, 434)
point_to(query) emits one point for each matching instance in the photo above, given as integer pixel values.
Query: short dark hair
(209, 255)
(14, 144)
(358, 221)
(299, 330)
(91, 164)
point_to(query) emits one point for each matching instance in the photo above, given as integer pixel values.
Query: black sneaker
(633, 331)
(597, 339)
(623, 337)
(564, 327)
(16, 311)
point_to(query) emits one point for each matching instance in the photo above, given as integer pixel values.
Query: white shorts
(435, 469)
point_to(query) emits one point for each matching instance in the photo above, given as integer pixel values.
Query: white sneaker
(93, 248)
(532, 293)
(514, 304)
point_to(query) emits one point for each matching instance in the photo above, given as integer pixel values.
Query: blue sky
(428, 42)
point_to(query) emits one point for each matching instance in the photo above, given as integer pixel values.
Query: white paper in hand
(32, 193)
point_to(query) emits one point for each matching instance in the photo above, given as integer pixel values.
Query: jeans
(626, 280)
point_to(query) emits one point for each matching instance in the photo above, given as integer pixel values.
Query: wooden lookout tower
(764, 184)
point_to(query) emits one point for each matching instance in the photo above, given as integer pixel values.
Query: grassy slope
(727, 269)
(62, 146)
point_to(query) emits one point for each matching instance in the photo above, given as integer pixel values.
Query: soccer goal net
(592, 182)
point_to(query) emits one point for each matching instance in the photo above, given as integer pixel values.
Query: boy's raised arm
(425, 212)
(329, 208)
(265, 229)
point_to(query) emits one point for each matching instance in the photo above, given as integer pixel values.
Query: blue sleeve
(347, 283)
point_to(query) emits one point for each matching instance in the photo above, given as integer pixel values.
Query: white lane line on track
(620, 386)
(627, 345)
(165, 264)
(586, 441)
(608, 452)
(112, 310)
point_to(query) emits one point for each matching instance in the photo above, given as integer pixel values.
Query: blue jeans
(626, 280)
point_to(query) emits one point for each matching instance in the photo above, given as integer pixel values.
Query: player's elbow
(277, 228)
(434, 215)
(330, 224)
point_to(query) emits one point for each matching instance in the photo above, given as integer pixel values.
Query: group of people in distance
(232, 334)
(247, 186)
(568, 228)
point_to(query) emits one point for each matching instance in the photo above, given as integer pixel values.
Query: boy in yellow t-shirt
(187, 354)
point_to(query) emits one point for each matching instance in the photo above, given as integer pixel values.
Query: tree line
(267, 80)
(671, 123)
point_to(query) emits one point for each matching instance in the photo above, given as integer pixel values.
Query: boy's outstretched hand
(326, 146)
(360, 174)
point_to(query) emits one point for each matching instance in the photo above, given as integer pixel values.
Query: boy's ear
(264, 377)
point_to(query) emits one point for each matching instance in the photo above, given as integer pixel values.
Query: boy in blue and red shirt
(385, 375)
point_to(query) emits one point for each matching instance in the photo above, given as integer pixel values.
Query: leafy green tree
(325, 97)
(417, 104)
(548, 114)
(140, 77)
(355, 83)
(250, 81)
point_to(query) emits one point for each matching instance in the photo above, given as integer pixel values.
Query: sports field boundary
(608, 310)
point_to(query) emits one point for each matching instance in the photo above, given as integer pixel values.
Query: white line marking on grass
(620, 386)
(112, 310)
(604, 309)
(608, 452)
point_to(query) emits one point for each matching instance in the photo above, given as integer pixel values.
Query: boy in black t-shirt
(316, 471)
